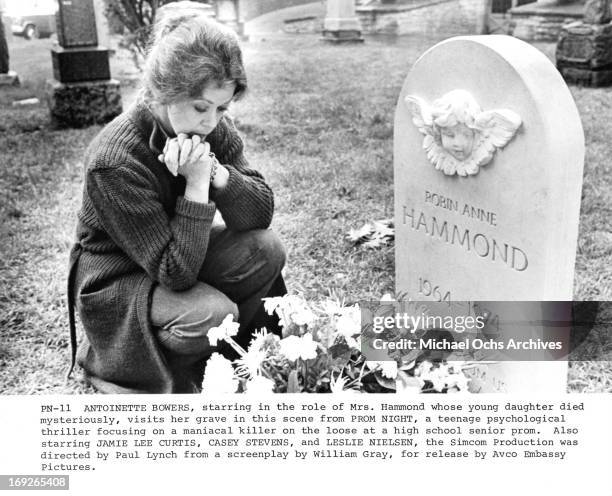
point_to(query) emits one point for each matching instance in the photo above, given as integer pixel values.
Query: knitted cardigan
(135, 230)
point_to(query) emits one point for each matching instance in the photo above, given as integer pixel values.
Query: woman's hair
(188, 52)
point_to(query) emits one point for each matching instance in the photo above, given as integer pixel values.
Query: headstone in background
(488, 209)
(228, 12)
(102, 26)
(544, 19)
(7, 77)
(341, 23)
(584, 49)
(76, 24)
(83, 92)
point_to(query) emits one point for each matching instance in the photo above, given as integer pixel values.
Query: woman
(150, 273)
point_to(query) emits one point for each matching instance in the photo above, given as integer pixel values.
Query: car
(33, 19)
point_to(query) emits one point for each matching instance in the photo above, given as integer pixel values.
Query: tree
(135, 18)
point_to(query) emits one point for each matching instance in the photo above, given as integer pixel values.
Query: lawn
(318, 123)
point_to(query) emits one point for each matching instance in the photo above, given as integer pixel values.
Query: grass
(318, 124)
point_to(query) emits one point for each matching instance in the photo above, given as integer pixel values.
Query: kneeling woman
(150, 273)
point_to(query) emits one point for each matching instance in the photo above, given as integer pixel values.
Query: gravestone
(7, 77)
(543, 20)
(228, 12)
(341, 23)
(489, 153)
(584, 48)
(83, 92)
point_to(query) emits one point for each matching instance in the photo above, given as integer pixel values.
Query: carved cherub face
(458, 140)
(459, 137)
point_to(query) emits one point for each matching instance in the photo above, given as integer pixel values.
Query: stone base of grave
(351, 36)
(543, 21)
(83, 104)
(584, 54)
(341, 30)
(9, 79)
(73, 65)
(408, 17)
(586, 77)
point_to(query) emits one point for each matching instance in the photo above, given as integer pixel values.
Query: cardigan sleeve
(246, 202)
(171, 250)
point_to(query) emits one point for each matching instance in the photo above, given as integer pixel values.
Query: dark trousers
(239, 270)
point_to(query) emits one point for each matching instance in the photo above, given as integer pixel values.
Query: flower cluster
(318, 352)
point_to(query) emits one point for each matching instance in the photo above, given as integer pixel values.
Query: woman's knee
(271, 249)
(189, 317)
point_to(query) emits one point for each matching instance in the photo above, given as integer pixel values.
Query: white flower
(219, 376)
(456, 367)
(460, 381)
(259, 385)
(249, 363)
(349, 322)
(290, 308)
(303, 317)
(272, 303)
(227, 329)
(446, 376)
(423, 368)
(294, 347)
(388, 368)
(331, 307)
(408, 387)
(259, 339)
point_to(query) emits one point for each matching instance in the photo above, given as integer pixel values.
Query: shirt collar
(158, 137)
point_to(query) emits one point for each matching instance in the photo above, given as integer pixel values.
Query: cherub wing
(496, 129)
(421, 115)
(423, 120)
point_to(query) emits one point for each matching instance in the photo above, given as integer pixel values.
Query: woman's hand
(190, 158)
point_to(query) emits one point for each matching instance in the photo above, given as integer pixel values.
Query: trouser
(239, 270)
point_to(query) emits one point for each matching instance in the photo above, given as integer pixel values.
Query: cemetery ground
(318, 123)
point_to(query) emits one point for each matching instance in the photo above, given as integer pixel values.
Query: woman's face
(202, 114)
(457, 140)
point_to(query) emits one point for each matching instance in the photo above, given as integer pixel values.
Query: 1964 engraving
(459, 136)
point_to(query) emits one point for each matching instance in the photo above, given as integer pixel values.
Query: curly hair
(455, 107)
(187, 53)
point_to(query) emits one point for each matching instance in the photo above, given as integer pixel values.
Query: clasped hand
(189, 157)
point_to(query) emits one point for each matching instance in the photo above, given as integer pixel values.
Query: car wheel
(30, 32)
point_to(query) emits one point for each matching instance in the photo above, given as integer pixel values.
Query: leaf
(410, 355)
(339, 348)
(408, 366)
(383, 230)
(375, 243)
(383, 381)
(375, 235)
(293, 383)
(357, 236)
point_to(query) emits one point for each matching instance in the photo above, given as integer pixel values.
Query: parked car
(34, 19)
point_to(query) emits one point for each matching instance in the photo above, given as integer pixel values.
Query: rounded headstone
(488, 152)
(511, 227)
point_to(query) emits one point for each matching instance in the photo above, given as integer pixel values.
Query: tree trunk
(4, 54)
